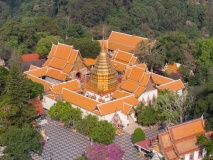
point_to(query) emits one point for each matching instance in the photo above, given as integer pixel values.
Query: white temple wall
(47, 102)
(149, 94)
(187, 157)
(196, 153)
(180, 92)
(132, 115)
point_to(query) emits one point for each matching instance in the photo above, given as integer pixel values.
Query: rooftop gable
(123, 41)
(63, 51)
(187, 129)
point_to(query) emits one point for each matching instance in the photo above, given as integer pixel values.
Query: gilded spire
(103, 76)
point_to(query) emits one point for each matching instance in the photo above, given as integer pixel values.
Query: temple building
(109, 87)
(179, 142)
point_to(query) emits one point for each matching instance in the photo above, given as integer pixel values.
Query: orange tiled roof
(126, 108)
(71, 85)
(90, 62)
(122, 56)
(67, 68)
(47, 62)
(79, 100)
(57, 63)
(158, 79)
(170, 155)
(56, 74)
(172, 68)
(145, 79)
(165, 140)
(186, 146)
(52, 51)
(63, 51)
(119, 94)
(187, 129)
(32, 67)
(136, 74)
(174, 85)
(116, 105)
(30, 57)
(139, 91)
(73, 56)
(124, 42)
(133, 61)
(142, 65)
(118, 66)
(38, 72)
(97, 112)
(129, 85)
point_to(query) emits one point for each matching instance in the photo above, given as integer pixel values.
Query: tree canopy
(19, 142)
(138, 135)
(65, 112)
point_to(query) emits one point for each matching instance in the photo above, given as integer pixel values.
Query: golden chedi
(103, 76)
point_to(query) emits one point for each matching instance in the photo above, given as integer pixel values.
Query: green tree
(87, 124)
(146, 115)
(65, 112)
(5, 52)
(103, 132)
(3, 75)
(44, 44)
(19, 142)
(205, 52)
(203, 106)
(149, 54)
(35, 89)
(87, 47)
(15, 106)
(138, 135)
(77, 31)
(172, 107)
(207, 144)
(177, 48)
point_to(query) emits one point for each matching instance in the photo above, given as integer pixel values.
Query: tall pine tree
(16, 108)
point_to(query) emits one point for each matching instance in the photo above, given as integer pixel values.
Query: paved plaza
(63, 144)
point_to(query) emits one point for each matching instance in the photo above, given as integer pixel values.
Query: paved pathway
(125, 141)
(63, 144)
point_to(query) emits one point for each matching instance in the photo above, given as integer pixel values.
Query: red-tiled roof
(30, 57)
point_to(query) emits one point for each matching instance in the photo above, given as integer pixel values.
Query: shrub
(138, 135)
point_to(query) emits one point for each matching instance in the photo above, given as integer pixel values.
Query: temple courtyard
(64, 144)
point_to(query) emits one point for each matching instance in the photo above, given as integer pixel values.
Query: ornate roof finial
(103, 47)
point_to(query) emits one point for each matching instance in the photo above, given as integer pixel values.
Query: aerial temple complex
(110, 86)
